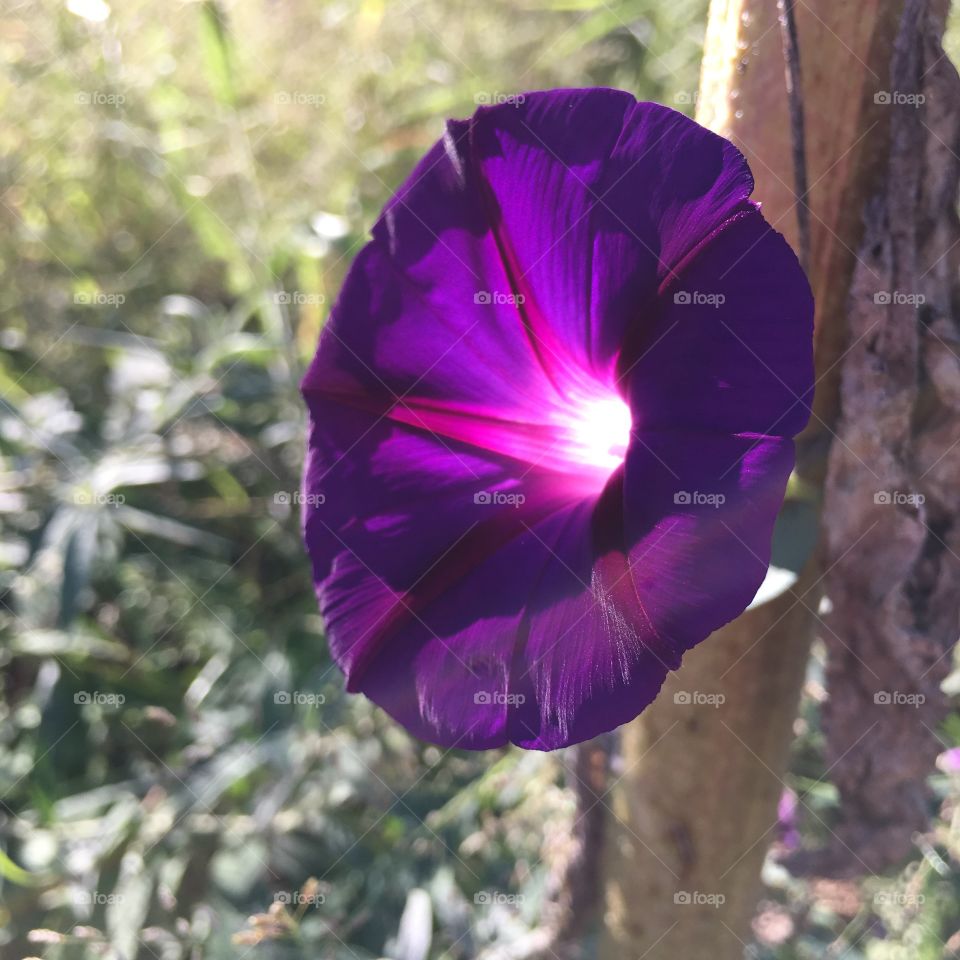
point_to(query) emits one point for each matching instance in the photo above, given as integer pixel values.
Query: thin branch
(791, 56)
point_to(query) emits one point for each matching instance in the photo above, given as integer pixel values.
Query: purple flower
(788, 819)
(949, 760)
(551, 420)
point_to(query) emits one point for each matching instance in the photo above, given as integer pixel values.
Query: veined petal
(728, 348)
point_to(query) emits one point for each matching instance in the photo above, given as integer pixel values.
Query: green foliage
(183, 190)
(181, 773)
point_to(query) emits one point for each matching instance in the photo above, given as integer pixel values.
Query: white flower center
(600, 432)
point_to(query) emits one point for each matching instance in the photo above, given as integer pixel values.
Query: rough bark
(696, 799)
(892, 545)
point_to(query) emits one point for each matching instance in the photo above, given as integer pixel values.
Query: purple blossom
(949, 760)
(551, 420)
(788, 819)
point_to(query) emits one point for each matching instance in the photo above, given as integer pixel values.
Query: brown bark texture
(892, 530)
(694, 801)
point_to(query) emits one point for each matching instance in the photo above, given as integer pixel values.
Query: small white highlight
(600, 432)
(96, 11)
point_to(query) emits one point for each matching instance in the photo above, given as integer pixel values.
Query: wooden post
(696, 798)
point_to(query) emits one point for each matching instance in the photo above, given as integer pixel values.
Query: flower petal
(595, 199)
(524, 628)
(415, 563)
(505, 274)
(719, 385)
(730, 347)
(699, 517)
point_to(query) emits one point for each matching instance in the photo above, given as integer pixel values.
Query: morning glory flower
(551, 420)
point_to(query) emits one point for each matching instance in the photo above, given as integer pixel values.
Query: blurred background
(181, 775)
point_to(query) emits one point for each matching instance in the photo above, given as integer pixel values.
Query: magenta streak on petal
(673, 274)
(547, 348)
(561, 442)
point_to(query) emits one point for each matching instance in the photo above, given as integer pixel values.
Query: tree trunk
(695, 802)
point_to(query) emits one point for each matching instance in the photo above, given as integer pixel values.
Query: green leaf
(126, 914)
(217, 51)
(794, 540)
(79, 645)
(15, 874)
(141, 521)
